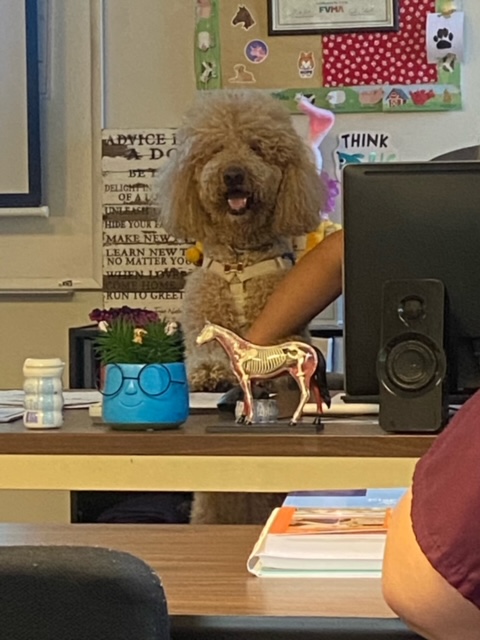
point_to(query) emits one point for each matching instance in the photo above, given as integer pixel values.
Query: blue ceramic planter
(138, 396)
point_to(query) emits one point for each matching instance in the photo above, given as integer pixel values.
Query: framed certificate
(304, 17)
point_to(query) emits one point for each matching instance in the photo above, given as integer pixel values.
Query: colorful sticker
(256, 51)
(243, 17)
(445, 36)
(208, 71)
(203, 10)
(205, 40)
(242, 76)
(371, 97)
(306, 64)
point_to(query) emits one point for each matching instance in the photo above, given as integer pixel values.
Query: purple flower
(138, 317)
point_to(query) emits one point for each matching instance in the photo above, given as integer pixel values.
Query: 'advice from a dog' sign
(142, 264)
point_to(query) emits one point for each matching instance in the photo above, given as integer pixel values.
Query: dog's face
(239, 180)
(241, 170)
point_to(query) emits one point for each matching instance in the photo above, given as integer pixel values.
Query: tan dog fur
(253, 132)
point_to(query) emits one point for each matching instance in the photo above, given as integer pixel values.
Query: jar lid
(43, 367)
(43, 362)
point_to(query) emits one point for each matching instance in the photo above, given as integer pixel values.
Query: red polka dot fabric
(393, 57)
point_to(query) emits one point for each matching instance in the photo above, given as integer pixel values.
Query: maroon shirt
(446, 502)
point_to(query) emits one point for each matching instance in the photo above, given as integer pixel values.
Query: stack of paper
(11, 402)
(326, 533)
(339, 407)
(80, 398)
(7, 414)
(11, 405)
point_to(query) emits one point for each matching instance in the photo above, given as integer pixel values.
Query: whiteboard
(62, 253)
(20, 175)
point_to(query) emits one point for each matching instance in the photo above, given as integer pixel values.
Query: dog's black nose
(234, 177)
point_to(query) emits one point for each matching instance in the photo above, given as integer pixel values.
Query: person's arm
(313, 283)
(431, 572)
(416, 592)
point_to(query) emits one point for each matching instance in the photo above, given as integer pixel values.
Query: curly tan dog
(243, 183)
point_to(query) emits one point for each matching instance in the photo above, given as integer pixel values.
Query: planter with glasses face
(145, 396)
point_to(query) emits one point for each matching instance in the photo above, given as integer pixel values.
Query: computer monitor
(411, 220)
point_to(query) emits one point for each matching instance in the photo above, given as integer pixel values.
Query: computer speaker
(411, 363)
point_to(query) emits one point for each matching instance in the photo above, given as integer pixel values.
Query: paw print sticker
(443, 39)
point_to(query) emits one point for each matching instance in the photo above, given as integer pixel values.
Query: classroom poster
(143, 266)
(358, 147)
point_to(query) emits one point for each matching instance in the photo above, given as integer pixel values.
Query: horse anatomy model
(302, 361)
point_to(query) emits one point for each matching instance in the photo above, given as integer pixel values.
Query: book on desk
(326, 534)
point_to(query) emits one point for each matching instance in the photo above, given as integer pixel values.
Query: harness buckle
(238, 268)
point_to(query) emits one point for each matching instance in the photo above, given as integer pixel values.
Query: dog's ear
(176, 196)
(301, 197)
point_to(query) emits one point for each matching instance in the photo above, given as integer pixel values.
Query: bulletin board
(356, 72)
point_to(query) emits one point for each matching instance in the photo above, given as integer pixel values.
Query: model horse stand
(250, 362)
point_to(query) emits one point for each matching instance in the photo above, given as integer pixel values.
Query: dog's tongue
(237, 204)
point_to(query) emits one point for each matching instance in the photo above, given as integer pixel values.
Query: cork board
(346, 72)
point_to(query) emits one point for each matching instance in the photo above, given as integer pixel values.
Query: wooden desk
(209, 589)
(87, 456)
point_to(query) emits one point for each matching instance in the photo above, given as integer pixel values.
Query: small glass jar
(265, 410)
(43, 389)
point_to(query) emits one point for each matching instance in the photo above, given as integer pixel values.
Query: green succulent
(124, 343)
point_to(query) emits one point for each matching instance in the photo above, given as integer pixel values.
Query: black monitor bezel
(363, 171)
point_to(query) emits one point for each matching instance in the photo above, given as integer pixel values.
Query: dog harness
(237, 274)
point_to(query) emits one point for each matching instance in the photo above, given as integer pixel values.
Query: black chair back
(79, 593)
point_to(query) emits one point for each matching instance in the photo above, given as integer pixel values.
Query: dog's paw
(211, 377)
